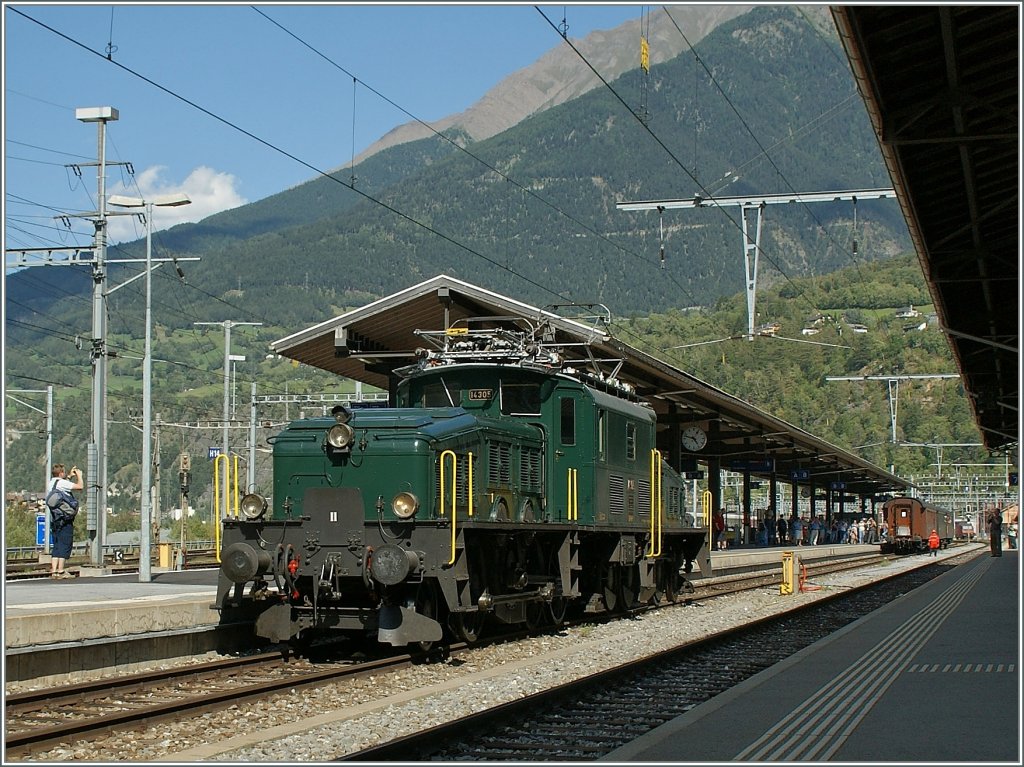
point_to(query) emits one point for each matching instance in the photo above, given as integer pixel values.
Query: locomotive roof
(370, 343)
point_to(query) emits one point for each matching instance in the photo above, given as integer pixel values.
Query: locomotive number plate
(480, 394)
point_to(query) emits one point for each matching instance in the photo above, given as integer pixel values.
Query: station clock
(693, 438)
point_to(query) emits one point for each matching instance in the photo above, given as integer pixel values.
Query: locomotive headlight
(253, 505)
(404, 505)
(340, 436)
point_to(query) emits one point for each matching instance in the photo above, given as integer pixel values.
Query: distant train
(508, 486)
(910, 521)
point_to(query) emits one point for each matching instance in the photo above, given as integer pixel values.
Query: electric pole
(225, 447)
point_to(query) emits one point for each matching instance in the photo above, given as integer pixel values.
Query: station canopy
(942, 88)
(367, 345)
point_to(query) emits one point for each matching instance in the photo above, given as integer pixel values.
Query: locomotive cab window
(602, 425)
(440, 394)
(631, 441)
(568, 421)
(520, 398)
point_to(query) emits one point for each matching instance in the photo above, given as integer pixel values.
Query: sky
(283, 73)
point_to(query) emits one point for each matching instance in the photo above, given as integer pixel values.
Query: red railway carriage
(911, 521)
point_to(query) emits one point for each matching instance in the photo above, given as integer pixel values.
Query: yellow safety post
(450, 455)
(788, 573)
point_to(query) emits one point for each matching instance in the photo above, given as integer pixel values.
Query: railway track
(18, 571)
(591, 717)
(39, 720)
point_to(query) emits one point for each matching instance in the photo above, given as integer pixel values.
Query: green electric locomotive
(505, 486)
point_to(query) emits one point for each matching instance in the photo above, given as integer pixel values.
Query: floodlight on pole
(145, 542)
(96, 493)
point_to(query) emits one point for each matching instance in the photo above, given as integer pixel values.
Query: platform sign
(766, 464)
(800, 474)
(212, 452)
(693, 475)
(41, 529)
(837, 485)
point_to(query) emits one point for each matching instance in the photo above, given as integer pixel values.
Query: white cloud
(210, 192)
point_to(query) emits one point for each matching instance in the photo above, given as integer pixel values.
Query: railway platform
(54, 630)
(932, 677)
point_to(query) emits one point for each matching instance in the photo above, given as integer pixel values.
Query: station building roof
(942, 88)
(367, 344)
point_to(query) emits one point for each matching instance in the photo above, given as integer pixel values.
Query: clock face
(693, 438)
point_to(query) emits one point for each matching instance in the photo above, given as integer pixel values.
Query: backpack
(62, 505)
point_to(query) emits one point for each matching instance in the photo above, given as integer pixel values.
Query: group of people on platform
(802, 532)
(798, 531)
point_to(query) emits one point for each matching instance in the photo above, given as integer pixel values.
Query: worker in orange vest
(933, 543)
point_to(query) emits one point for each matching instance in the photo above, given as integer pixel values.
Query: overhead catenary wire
(764, 152)
(465, 150)
(401, 214)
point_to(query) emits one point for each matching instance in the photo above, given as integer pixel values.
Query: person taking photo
(62, 527)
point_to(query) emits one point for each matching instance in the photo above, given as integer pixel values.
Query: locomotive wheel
(469, 625)
(559, 605)
(499, 511)
(557, 608)
(673, 580)
(611, 580)
(629, 586)
(536, 612)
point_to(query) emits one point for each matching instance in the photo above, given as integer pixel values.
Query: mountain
(768, 106)
(560, 75)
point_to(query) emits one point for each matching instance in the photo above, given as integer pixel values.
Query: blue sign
(837, 485)
(767, 464)
(693, 474)
(800, 474)
(212, 452)
(40, 529)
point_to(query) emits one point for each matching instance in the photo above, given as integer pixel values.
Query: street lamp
(162, 201)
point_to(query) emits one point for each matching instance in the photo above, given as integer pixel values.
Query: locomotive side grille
(499, 464)
(675, 504)
(529, 470)
(616, 494)
(461, 479)
(643, 497)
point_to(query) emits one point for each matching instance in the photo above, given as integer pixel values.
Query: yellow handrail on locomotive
(455, 471)
(572, 510)
(216, 497)
(656, 504)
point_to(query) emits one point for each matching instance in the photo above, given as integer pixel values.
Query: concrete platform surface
(932, 677)
(44, 611)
